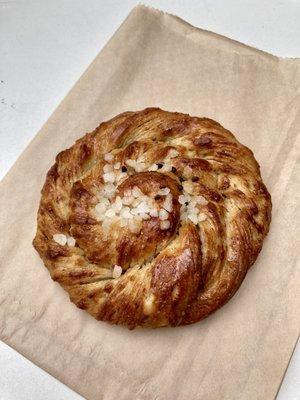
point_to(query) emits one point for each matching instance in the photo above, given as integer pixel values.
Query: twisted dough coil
(153, 219)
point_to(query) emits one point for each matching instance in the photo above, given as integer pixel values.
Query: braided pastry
(153, 219)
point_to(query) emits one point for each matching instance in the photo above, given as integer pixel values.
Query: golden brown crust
(170, 277)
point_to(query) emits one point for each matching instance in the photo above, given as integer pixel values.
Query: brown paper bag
(240, 352)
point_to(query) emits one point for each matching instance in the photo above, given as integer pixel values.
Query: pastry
(153, 219)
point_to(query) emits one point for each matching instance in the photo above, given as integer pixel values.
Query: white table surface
(46, 45)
